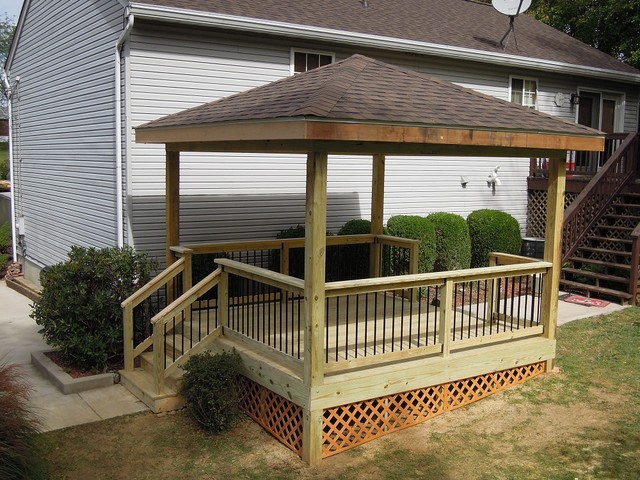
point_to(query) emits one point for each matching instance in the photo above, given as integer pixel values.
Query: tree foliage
(7, 29)
(612, 26)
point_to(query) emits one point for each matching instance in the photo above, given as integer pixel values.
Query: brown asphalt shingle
(456, 23)
(370, 91)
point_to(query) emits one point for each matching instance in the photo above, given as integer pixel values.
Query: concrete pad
(60, 411)
(113, 401)
(568, 312)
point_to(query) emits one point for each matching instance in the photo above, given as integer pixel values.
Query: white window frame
(524, 79)
(617, 96)
(295, 50)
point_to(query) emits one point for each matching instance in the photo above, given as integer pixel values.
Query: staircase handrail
(148, 289)
(596, 197)
(635, 264)
(161, 369)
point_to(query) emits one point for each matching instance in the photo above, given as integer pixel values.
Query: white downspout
(14, 184)
(118, 99)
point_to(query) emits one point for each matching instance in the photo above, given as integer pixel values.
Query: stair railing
(170, 318)
(164, 281)
(596, 197)
(635, 265)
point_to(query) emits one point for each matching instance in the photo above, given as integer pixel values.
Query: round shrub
(357, 226)
(80, 308)
(453, 244)
(417, 228)
(209, 386)
(492, 231)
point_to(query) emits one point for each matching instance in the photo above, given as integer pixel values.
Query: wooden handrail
(403, 282)
(188, 297)
(396, 241)
(596, 197)
(165, 276)
(275, 279)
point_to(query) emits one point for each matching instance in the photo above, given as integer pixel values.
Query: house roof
(463, 24)
(361, 99)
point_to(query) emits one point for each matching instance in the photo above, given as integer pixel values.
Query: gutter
(270, 27)
(118, 126)
(14, 184)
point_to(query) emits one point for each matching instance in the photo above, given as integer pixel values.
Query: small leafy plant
(209, 385)
(80, 305)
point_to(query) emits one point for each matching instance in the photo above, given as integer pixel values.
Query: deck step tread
(592, 288)
(609, 239)
(599, 276)
(620, 216)
(591, 261)
(605, 251)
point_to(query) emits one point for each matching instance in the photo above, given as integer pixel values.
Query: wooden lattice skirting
(348, 426)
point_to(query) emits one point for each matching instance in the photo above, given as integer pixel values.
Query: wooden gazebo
(316, 404)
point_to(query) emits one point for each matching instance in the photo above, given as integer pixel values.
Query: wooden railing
(581, 164)
(377, 320)
(596, 197)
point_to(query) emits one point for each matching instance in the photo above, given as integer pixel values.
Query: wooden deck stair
(601, 265)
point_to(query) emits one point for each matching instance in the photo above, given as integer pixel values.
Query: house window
(303, 61)
(524, 91)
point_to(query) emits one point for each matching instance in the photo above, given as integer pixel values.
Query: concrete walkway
(19, 337)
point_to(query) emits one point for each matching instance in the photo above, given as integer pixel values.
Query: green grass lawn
(582, 422)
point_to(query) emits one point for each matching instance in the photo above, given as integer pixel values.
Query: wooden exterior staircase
(601, 233)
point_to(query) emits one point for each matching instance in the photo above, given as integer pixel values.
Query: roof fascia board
(254, 25)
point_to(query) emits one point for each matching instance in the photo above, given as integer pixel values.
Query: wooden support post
(553, 248)
(446, 317)
(223, 301)
(172, 200)
(128, 337)
(187, 282)
(158, 357)
(314, 293)
(491, 295)
(377, 211)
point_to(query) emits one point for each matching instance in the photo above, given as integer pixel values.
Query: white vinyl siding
(63, 127)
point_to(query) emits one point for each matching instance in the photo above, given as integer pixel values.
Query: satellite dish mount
(511, 8)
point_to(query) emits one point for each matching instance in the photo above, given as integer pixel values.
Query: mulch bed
(74, 372)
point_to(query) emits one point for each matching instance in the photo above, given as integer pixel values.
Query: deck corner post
(315, 267)
(377, 211)
(553, 248)
(128, 337)
(172, 202)
(312, 436)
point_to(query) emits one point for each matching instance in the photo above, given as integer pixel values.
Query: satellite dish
(512, 8)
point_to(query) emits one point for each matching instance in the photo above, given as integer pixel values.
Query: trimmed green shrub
(209, 386)
(492, 231)
(417, 228)
(5, 245)
(296, 256)
(453, 243)
(80, 305)
(19, 455)
(352, 260)
(4, 161)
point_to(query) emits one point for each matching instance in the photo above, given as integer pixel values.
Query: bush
(5, 245)
(4, 161)
(492, 231)
(417, 228)
(453, 244)
(209, 386)
(353, 260)
(19, 455)
(80, 305)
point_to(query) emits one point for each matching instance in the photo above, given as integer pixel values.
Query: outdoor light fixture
(464, 181)
(492, 179)
(575, 99)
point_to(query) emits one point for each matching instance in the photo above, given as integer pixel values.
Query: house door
(599, 111)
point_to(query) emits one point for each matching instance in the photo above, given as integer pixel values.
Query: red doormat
(580, 300)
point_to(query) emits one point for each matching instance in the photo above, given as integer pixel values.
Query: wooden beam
(172, 200)
(553, 248)
(315, 266)
(314, 280)
(377, 210)
(289, 131)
